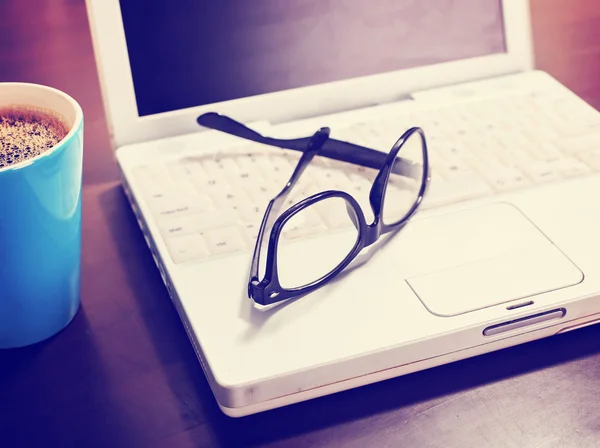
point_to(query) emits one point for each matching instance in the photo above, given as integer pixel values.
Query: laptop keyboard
(212, 205)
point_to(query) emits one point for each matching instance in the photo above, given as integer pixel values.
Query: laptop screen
(196, 52)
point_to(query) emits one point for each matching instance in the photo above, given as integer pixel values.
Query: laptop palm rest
(481, 257)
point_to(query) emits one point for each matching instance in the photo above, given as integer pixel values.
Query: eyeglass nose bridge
(366, 233)
(352, 215)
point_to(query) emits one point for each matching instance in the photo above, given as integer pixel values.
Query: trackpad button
(504, 257)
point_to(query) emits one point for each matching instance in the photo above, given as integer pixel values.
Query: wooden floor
(123, 374)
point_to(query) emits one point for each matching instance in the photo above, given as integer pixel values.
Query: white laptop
(505, 248)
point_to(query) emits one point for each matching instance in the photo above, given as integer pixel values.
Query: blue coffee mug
(40, 226)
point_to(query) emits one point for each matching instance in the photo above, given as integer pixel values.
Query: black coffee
(27, 132)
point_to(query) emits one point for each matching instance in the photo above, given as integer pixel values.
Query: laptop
(503, 250)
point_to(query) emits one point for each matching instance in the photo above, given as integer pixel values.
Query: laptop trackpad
(485, 256)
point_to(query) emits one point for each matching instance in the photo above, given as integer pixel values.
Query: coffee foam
(26, 132)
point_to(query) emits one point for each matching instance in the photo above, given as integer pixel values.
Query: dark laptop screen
(193, 52)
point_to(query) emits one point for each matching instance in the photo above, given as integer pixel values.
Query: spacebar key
(196, 222)
(453, 191)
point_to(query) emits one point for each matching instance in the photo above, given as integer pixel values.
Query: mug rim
(75, 128)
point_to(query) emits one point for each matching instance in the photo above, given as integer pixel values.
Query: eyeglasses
(395, 195)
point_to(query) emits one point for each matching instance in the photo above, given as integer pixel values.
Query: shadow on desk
(40, 382)
(394, 405)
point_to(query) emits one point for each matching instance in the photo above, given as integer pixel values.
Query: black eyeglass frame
(269, 290)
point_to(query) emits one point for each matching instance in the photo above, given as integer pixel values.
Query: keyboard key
(453, 191)
(179, 203)
(264, 168)
(331, 179)
(261, 194)
(368, 173)
(540, 133)
(571, 112)
(540, 172)
(454, 151)
(289, 233)
(586, 142)
(196, 222)
(195, 169)
(228, 165)
(241, 179)
(250, 233)
(155, 190)
(249, 163)
(224, 240)
(360, 185)
(515, 140)
(209, 183)
(571, 167)
(591, 158)
(213, 167)
(514, 157)
(297, 230)
(187, 248)
(150, 174)
(230, 198)
(251, 214)
(507, 179)
(545, 152)
(332, 218)
(153, 180)
(184, 171)
(455, 168)
(281, 164)
(487, 167)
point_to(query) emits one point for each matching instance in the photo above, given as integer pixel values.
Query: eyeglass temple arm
(314, 145)
(333, 149)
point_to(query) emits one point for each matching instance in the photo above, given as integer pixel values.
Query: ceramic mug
(40, 225)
